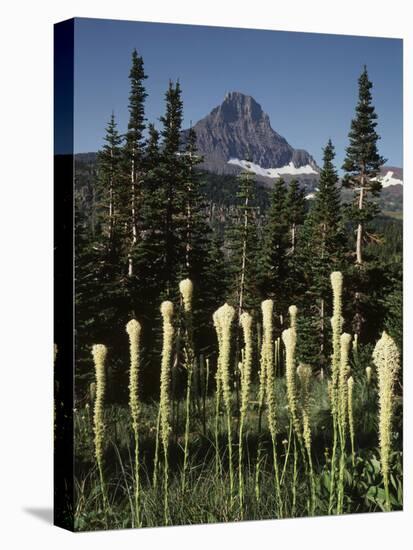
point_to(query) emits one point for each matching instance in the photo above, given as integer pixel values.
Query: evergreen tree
(204, 261)
(296, 209)
(193, 204)
(273, 264)
(243, 244)
(320, 252)
(150, 250)
(171, 180)
(362, 163)
(134, 153)
(108, 183)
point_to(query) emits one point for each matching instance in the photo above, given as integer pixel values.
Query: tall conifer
(133, 154)
(243, 243)
(273, 264)
(362, 163)
(295, 208)
(109, 182)
(320, 252)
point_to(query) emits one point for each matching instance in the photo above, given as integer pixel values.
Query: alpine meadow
(238, 316)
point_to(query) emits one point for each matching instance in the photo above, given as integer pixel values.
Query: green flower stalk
(99, 353)
(267, 355)
(206, 377)
(246, 324)
(336, 325)
(368, 375)
(156, 453)
(133, 329)
(218, 392)
(289, 337)
(342, 402)
(92, 392)
(261, 388)
(261, 401)
(350, 387)
(304, 373)
(186, 290)
(345, 341)
(386, 357)
(223, 320)
(167, 311)
(276, 356)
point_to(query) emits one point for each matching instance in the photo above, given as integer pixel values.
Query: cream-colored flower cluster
(246, 324)
(289, 337)
(133, 328)
(223, 319)
(344, 371)
(186, 288)
(267, 360)
(99, 353)
(304, 374)
(167, 311)
(386, 357)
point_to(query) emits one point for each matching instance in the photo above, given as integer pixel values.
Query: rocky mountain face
(238, 130)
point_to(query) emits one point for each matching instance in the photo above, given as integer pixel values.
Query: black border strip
(63, 272)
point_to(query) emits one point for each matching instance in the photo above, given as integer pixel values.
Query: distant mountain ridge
(237, 131)
(237, 134)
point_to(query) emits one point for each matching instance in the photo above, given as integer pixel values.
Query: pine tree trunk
(111, 214)
(243, 262)
(322, 302)
(293, 230)
(168, 241)
(133, 219)
(322, 315)
(188, 225)
(111, 204)
(359, 259)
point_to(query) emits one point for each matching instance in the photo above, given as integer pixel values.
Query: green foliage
(320, 251)
(362, 151)
(362, 162)
(274, 276)
(243, 246)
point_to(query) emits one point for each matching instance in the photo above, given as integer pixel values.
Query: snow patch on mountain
(288, 169)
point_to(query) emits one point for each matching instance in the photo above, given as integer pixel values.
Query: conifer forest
(238, 346)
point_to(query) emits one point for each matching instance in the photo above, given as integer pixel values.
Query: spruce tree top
(362, 159)
(110, 152)
(295, 203)
(137, 95)
(172, 120)
(326, 207)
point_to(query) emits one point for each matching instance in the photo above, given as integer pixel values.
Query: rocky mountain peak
(237, 105)
(237, 130)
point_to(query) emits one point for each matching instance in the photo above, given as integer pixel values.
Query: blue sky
(307, 83)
